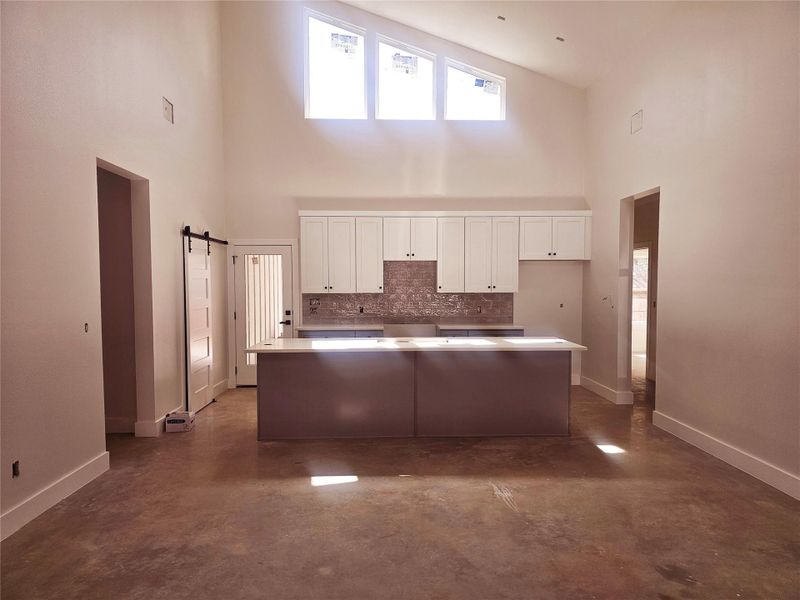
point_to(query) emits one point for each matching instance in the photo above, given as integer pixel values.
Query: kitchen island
(413, 387)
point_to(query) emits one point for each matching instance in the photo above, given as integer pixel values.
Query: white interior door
(199, 347)
(263, 291)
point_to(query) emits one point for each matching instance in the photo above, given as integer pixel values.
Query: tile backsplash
(409, 297)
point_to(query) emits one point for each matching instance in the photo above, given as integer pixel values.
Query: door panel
(569, 238)
(263, 297)
(369, 255)
(536, 238)
(423, 238)
(478, 254)
(450, 255)
(342, 255)
(314, 255)
(505, 254)
(396, 238)
(199, 347)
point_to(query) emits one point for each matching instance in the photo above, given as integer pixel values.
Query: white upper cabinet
(478, 254)
(450, 253)
(396, 238)
(369, 255)
(536, 238)
(423, 238)
(341, 255)
(505, 254)
(409, 238)
(554, 238)
(314, 254)
(569, 238)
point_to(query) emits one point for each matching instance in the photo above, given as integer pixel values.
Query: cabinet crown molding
(445, 213)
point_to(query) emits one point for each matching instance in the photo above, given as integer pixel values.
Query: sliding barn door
(199, 349)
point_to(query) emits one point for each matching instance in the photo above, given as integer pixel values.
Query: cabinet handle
(494, 286)
(488, 286)
(380, 287)
(412, 254)
(406, 253)
(440, 287)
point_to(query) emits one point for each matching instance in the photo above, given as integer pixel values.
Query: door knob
(286, 322)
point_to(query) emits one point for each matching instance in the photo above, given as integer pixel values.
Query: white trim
(778, 478)
(443, 213)
(219, 388)
(19, 515)
(575, 379)
(617, 397)
(383, 39)
(475, 72)
(153, 428)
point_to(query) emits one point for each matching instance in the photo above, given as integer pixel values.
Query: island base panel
(492, 393)
(335, 395)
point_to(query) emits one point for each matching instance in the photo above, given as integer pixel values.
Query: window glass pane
(335, 72)
(474, 97)
(405, 84)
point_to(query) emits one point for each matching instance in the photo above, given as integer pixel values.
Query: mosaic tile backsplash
(409, 297)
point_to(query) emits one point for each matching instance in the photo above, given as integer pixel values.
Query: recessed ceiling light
(501, 18)
(559, 38)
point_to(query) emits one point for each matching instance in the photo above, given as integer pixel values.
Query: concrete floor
(215, 514)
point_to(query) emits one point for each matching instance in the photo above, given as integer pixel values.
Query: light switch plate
(637, 121)
(168, 110)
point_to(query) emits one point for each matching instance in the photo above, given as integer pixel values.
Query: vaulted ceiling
(596, 34)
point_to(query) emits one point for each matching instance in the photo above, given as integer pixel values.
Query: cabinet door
(314, 255)
(536, 238)
(423, 238)
(450, 254)
(477, 254)
(505, 254)
(341, 255)
(369, 254)
(569, 238)
(396, 238)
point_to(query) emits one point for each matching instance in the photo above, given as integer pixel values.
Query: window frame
(478, 73)
(379, 39)
(309, 13)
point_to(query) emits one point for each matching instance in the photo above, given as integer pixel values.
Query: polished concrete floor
(215, 514)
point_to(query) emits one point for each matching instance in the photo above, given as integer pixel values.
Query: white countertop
(414, 344)
(478, 326)
(340, 327)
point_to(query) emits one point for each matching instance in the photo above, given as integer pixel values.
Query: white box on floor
(180, 420)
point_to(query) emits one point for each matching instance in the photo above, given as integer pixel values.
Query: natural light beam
(610, 449)
(320, 480)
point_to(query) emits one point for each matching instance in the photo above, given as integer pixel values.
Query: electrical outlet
(168, 110)
(15, 469)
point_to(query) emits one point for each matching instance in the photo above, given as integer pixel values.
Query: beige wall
(277, 161)
(274, 156)
(720, 138)
(82, 81)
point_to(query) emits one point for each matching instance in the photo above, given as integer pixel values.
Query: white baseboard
(758, 468)
(27, 510)
(576, 379)
(219, 388)
(152, 428)
(606, 392)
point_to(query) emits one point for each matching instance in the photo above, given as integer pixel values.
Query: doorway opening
(263, 300)
(123, 209)
(644, 285)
